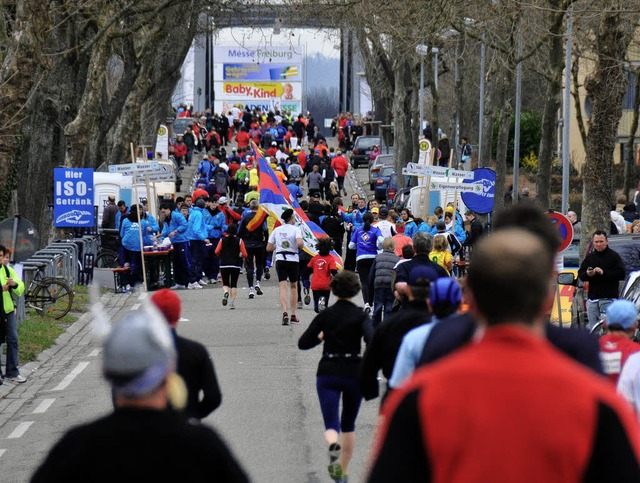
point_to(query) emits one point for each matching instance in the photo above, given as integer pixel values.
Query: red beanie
(169, 304)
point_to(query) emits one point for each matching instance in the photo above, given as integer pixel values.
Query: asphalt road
(269, 415)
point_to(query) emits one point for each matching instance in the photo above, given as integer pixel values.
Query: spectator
(11, 286)
(617, 345)
(381, 280)
(109, 213)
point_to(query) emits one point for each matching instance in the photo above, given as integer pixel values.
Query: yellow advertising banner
(566, 298)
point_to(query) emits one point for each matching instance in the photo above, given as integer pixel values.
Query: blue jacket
(216, 224)
(295, 190)
(356, 217)
(177, 223)
(425, 228)
(147, 236)
(366, 243)
(130, 234)
(196, 228)
(410, 228)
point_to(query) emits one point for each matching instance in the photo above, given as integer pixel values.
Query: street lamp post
(421, 50)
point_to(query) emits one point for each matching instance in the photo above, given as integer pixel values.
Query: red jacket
(508, 408)
(242, 138)
(615, 349)
(340, 165)
(180, 150)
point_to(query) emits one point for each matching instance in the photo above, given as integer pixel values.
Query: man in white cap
(141, 440)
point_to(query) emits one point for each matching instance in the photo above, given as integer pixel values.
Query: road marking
(44, 405)
(69, 379)
(142, 296)
(2, 451)
(20, 430)
(135, 307)
(94, 352)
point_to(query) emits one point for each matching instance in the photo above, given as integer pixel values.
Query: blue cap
(445, 292)
(622, 313)
(421, 276)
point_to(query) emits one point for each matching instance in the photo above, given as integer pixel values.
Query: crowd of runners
(512, 398)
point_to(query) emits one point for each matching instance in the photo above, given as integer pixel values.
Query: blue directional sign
(73, 197)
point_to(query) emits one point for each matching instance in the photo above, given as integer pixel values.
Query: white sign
(461, 187)
(417, 169)
(159, 178)
(134, 167)
(259, 55)
(162, 142)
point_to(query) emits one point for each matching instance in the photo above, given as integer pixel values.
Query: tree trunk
(551, 106)
(488, 117)
(403, 148)
(606, 86)
(631, 142)
(504, 119)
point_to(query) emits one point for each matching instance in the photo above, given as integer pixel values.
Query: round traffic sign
(565, 229)
(424, 145)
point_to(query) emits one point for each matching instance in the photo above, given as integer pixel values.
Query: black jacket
(196, 369)
(606, 285)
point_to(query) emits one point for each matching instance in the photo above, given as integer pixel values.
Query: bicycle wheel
(52, 298)
(107, 259)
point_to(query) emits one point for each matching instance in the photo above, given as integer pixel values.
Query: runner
(341, 328)
(366, 240)
(231, 251)
(285, 240)
(323, 266)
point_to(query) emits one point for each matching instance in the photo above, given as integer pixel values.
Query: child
(441, 254)
(231, 251)
(323, 267)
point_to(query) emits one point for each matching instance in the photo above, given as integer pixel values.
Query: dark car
(361, 149)
(397, 197)
(374, 170)
(180, 125)
(628, 247)
(382, 183)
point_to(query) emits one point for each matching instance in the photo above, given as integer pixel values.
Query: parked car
(382, 183)
(628, 247)
(374, 170)
(398, 197)
(362, 148)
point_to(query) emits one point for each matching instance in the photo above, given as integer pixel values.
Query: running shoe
(225, 299)
(19, 379)
(335, 468)
(367, 309)
(285, 319)
(267, 275)
(232, 305)
(343, 479)
(295, 319)
(194, 286)
(322, 304)
(258, 289)
(178, 286)
(203, 281)
(251, 293)
(307, 297)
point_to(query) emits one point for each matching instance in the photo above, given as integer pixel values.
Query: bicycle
(48, 296)
(108, 252)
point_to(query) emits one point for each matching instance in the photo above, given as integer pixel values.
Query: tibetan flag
(257, 220)
(275, 199)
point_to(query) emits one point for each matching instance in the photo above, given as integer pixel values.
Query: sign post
(73, 198)
(565, 230)
(139, 206)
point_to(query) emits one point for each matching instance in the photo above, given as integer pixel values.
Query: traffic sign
(158, 178)
(565, 229)
(464, 188)
(142, 168)
(417, 169)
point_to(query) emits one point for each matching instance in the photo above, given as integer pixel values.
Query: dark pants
(211, 260)
(11, 330)
(330, 388)
(316, 298)
(134, 259)
(350, 259)
(364, 266)
(181, 262)
(196, 259)
(303, 278)
(255, 263)
(340, 180)
(382, 299)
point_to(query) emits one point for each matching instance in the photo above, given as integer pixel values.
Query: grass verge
(36, 333)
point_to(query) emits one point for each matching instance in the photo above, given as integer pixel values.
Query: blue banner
(73, 197)
(481, 202)
(263, 72)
